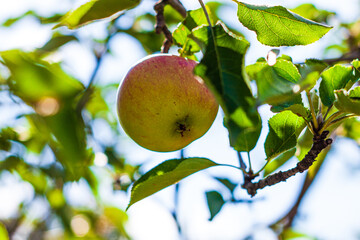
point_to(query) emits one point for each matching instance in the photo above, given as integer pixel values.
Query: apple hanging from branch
(162, 105)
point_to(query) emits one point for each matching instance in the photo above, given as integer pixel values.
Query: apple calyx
(182, 126)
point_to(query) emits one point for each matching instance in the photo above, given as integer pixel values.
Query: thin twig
(205, 12)
(319, 143)
(241, 161)
(160, 26)
(177, 5)
(99, 57)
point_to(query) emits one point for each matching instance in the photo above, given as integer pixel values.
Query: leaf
(290, 233)
(222, 69)
(351, 129)
(299, 110)
(309, 11)
(348, 103)
(275, 83)
(215, 202)
(118, 218)
(95, 10)
(277, 26)
(56, 42)
(52, 93)
(311, 65)
(183, 32)
(227, 183)
(33, 79)
(333, 79)
(166, 174)
(294, 99)
(279, 161)
(3, 232)
(285, 128)
(304, 144)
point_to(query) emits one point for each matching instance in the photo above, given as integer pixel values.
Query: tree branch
(160, 26)
(112, 31)
(319, 143)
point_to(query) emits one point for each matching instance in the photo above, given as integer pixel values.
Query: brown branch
(319, 143)
(160, 26)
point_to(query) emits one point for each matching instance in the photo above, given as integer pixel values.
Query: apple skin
(162, 106)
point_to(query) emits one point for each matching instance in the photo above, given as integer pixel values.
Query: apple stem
(205, 12)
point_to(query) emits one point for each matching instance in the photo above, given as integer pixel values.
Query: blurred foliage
(50, 143)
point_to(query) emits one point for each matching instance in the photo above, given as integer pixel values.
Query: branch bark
(319, 143)
(160, 26)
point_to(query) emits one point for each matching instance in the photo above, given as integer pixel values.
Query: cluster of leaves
(316, 95)
(330, 94)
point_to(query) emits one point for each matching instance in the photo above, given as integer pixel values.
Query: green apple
(162, 106)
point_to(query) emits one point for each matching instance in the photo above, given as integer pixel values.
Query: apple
(162, 105)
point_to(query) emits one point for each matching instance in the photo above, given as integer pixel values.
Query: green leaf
(215, 202)
(304, 144)
(309, 11)
(355, 94)
(299, 110)
(56, 42)
(275, 83)
(334, 78)
(290, 234)
(311, 65)
(351, 129)
(118, 218)
(166, 174)
(95, 10)
(277, 26)
(182, 34)
(34, 80)
(222, 69)
(3, 232)
(348, 103)
(227, 183)
(279, 161)
(52, 93)
(294, 99)
(285, 128)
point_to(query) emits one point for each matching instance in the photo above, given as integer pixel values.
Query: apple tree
(49, 138)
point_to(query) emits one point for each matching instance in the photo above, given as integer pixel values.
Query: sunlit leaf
(166, 174)
(182, 35)
(118, 218)
(3, 232)
(276, 83)
(33, 79)
(95, 10)
(334, 78)
(6, 135)
(52, 93)
(215, 202)
(309, 11)
(348, 103)
(291, 234)
(279, 161)
(304, 144)
(299, 110)
(222, 69)
(277, 26)
(285, 128)
(55, 198)
(351, 129)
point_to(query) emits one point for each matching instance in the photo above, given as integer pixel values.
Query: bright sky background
(331, 212)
